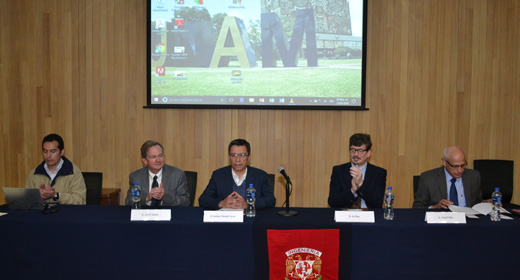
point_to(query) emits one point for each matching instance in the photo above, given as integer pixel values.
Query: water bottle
(136, 196)
(250, 199)
(389, 204)
(497, 204)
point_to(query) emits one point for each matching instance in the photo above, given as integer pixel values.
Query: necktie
(453, 192)
(155, 184)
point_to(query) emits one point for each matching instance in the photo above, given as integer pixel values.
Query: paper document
(470, 213)
(483, 208)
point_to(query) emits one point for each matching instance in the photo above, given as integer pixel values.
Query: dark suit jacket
(221, 185)
(372, 190)
(433, 187)
(173, 181)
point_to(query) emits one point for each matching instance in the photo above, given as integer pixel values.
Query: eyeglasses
(359, 151)
(457, 166)
(238, 155)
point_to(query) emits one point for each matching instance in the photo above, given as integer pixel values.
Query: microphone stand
(287, 212)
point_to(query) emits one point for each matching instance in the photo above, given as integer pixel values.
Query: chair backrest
(191, 180)
(94, 183)
(270, 180)
(415, 184)
(495, 173)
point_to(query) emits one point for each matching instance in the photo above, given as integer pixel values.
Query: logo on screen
(251, 100)
(236, 73)
(282, 100)
(160, 71)
(200, 2)
(160, 23)
(178, 74)
(160, 2)
(160, 48)
(179, 2)
(271, 100)
(241, 100)
(178, 49)
(237, 2)
(179, 23)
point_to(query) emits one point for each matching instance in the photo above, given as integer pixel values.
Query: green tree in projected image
(330, 79)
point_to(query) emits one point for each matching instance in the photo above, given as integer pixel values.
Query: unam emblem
(303, 263)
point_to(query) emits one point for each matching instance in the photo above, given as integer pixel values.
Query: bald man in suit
(435, 186)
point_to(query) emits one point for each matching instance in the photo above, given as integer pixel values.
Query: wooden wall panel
(439, 73)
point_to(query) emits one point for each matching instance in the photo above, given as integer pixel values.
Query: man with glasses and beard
(450, 184)
(227, 186)
(357, 184)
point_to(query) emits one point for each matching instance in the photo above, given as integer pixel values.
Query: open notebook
(22, 198)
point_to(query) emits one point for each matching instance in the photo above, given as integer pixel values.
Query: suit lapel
(230, 181)
(466, 182)
(441, 182)
(145, 187)
(165, 175)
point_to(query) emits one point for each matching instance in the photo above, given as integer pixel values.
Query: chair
(415, 184)
(495, 173)
(94, 183)
(270, 180)
(191, 179)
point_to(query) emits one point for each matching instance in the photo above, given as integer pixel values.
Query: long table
(100, 242)
(86, 242)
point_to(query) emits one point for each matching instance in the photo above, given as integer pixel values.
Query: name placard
(230, 216)
(445, 218)
(151, 215)
(354, 216)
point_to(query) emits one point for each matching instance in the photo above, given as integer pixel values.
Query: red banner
(307, 254)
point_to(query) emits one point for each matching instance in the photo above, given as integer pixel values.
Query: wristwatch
(56, 196)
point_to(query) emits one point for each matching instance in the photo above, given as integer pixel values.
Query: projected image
(256, 53)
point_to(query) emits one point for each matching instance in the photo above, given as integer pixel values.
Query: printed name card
(151, 215)
(230, 216)
(354, 216)
(445, 218)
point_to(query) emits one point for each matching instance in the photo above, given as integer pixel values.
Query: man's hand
(357, 178)
(443, 204)
(47, 193)
(234, 201)
(157, 193)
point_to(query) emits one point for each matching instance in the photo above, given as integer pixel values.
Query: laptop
(22, 198)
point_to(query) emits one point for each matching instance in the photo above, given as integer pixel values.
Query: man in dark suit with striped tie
(357, 184)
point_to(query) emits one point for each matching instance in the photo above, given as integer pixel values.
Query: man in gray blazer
(161, 184)
(451, 184)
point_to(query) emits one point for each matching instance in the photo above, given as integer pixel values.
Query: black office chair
(270, 180)
(495, 173)
(191, 179)
(415, 184)
(94, 183)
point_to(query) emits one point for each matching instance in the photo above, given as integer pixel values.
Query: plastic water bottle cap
(389, 187)
(497, 189)
(251, 185)
(135, 183)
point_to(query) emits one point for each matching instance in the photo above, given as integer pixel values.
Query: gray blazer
(433, 188)
(173, 181)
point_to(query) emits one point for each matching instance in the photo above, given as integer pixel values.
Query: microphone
(281, 169)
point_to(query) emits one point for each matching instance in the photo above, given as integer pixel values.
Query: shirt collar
(238, 180)
(57, 168)
(159, 174)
